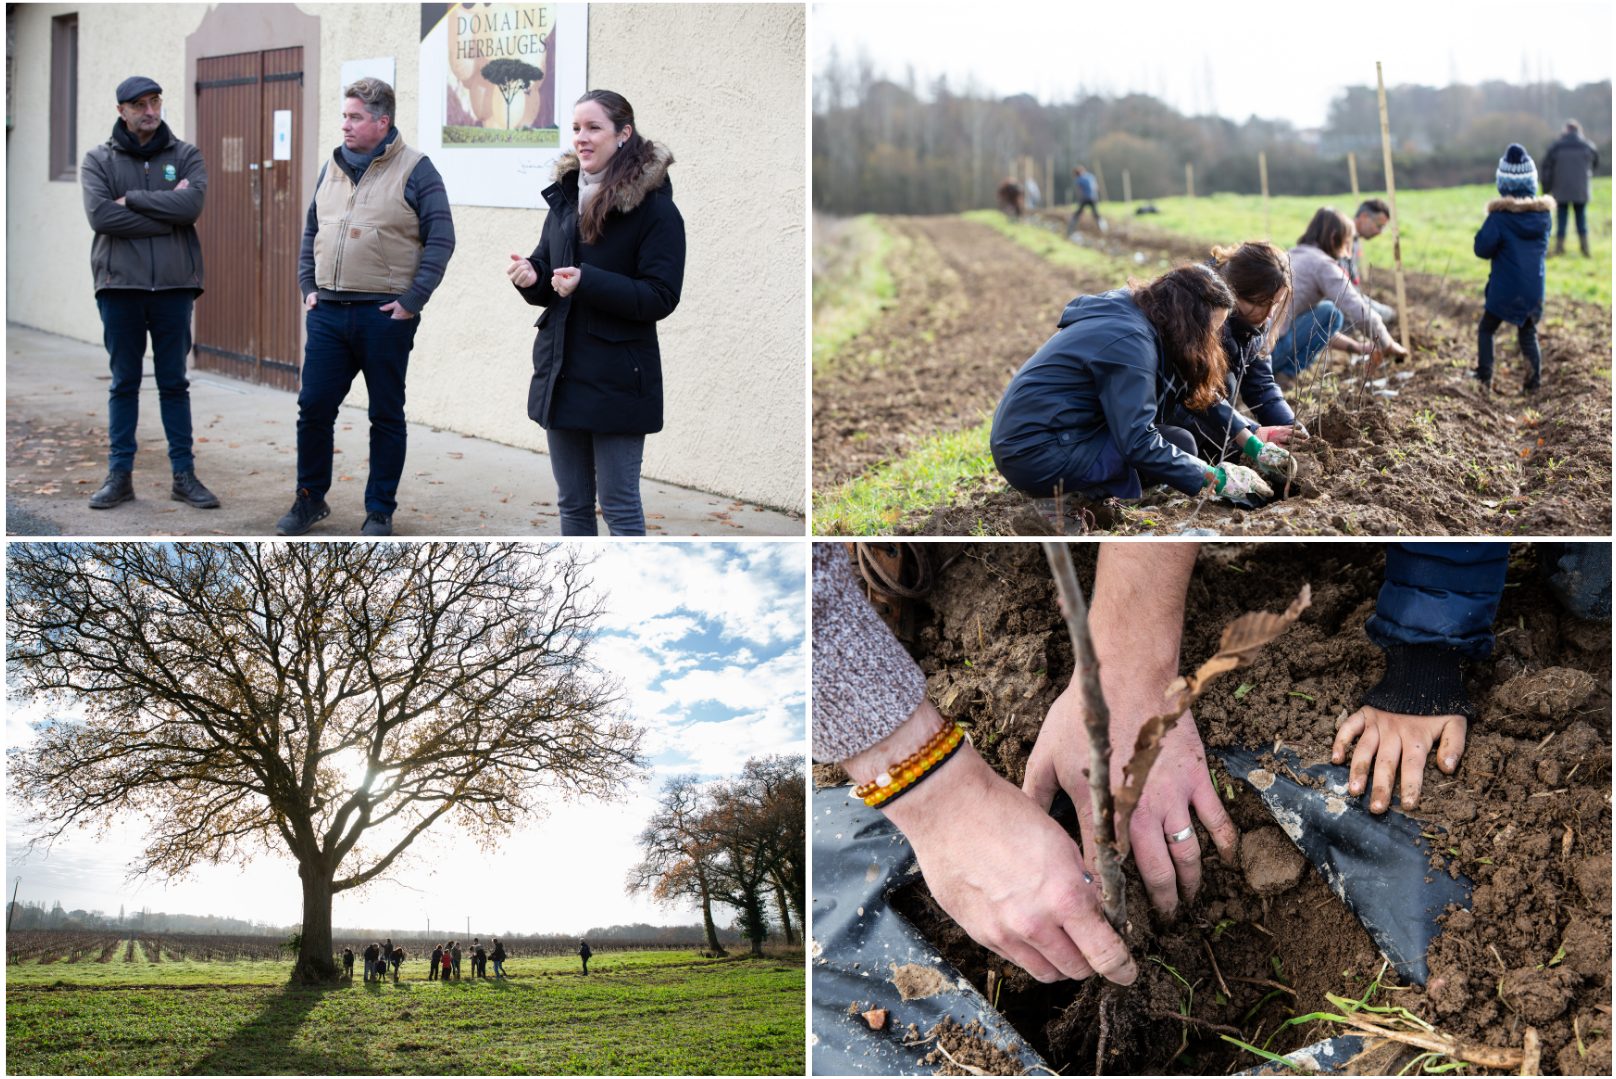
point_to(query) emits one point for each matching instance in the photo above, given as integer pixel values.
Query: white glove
(1238, 481)
(1270, 456)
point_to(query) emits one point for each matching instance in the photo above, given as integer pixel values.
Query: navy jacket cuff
(1422, 680)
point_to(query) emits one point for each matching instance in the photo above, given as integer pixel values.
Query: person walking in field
(437, 960)
(454, 955)
(498, 956)
(372, 953)
(1515, 237)
(1088, 194)
(398, 962)
(376, 242)
(609, 266)
(1080, 418)
(584, 953)
(347, 963)
(143, 193)
(1568, 172)
(1323, 302)
(480, 961)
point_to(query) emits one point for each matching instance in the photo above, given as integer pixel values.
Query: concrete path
(246, 453)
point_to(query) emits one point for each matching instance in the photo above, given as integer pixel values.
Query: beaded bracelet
(913, 768)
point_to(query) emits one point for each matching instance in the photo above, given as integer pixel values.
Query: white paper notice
(283, 134)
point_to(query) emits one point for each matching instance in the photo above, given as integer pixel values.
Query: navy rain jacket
(1101, 373)
(1516, 237)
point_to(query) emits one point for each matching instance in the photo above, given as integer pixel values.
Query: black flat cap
(134, 86)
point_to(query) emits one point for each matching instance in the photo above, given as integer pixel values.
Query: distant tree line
(30, 915)
(739, 843)
(884, 147)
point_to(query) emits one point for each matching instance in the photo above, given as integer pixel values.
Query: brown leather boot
(1559, 245)
(1582, 239)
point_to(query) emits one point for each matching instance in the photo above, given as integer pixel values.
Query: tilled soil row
(1427, 455)
(970, 307)
(1528, 814)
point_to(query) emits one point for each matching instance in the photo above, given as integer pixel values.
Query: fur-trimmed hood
(1511, 205)
(632, 189)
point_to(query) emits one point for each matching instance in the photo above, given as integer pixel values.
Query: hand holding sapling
(1000, 867)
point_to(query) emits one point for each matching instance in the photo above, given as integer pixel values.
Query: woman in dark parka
(610, 264)
(1085, 416)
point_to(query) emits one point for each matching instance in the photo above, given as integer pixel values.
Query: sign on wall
(497, 86)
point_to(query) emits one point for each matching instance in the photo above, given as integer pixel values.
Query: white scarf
(587, 187)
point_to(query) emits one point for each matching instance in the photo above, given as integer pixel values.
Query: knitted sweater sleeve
(865, 684)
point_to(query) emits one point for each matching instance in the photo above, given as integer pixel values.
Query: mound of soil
(1438, 458)
(1527, 817)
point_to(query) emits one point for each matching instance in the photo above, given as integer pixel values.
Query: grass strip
(930, 472)
(1437, 227)
(852, 284)
(1057, 249)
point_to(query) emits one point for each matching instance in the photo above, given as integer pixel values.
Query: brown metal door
(247, 322)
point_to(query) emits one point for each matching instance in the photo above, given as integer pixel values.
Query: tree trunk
(757, 927)
(707, 923)
(785, 913)
(314, 958)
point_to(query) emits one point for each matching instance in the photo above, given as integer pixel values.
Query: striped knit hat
(1517, 175)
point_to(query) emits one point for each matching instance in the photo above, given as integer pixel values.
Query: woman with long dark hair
(1258, 274)
(1323, 301)
(1083, 418)
(610, 264)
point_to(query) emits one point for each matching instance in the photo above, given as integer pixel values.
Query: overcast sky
(1277, 60)
(709, 641)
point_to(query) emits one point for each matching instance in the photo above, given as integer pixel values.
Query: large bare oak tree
(331, 700)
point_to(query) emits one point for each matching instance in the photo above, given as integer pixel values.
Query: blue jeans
(127, 316)
(370, 969)
(1309, 335)
(345, 340)
(499, 969)
(1582, 217)
(586, 463)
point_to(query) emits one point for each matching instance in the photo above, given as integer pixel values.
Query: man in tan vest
(377, 240)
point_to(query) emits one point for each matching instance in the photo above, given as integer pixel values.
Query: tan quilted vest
(369, 238)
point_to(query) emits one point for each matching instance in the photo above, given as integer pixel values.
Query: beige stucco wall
(723, 84)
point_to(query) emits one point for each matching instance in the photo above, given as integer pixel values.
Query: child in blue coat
(1515, 237)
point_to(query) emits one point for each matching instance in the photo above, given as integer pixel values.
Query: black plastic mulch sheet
(859, 942)
(1378, 866)
(1327, 1057)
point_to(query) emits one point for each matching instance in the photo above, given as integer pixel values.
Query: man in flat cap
(143, 192)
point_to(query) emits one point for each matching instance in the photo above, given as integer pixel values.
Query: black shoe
(119, 487)
(305, 513)
(187, 488)
(377, 524)
(1484, 383)
(1532, 383)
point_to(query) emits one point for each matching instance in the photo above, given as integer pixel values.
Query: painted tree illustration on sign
(511, 77)
(328, 701)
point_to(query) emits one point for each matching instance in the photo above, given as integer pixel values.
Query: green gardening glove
(1238, 481)
(1269, 457)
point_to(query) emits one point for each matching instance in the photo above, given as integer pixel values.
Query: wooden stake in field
(1127, 189)
(1099, 174)
(1189, 185)
(1049, 179)
(1391, 196)
(1352, 172)
(1262, 171)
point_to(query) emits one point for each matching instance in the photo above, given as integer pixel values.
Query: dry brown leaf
(1242, 640)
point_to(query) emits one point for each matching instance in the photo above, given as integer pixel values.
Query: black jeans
(1077, 213)
(1582, 217)
(1527, 337)
(346, 340)
(127, 317)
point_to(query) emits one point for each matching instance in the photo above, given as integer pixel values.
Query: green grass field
(637, 1013)
(495, 138)
(851, 281)
(1437, 226)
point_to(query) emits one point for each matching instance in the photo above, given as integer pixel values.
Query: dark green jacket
(150, 242)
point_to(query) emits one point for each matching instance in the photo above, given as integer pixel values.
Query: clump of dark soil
(1527, 817)
(1437, 458)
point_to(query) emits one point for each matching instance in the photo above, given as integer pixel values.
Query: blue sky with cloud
(708, 641)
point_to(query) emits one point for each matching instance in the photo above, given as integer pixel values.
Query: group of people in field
(1139, 386)
(444, 961)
